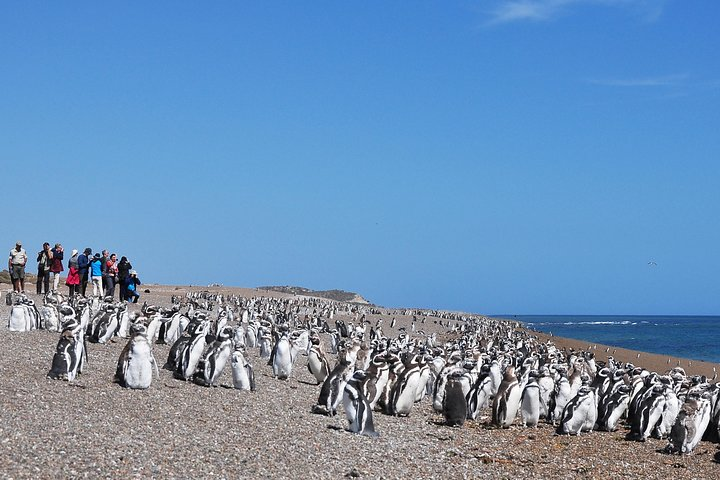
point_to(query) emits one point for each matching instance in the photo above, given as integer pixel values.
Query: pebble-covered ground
(94, 428)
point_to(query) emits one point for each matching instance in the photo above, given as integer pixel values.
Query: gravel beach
(94, 428)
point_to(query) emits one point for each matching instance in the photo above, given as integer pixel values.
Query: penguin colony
(488, 364)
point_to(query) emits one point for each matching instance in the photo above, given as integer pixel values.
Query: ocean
(692, 337)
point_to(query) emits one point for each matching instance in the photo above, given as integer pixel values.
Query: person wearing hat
(96, 272)
(83, 267)
(16, 266)
(57, 265)
(132, 282)
(73, 278)
(44, 260)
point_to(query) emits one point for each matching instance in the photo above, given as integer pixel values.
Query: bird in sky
(652, 264)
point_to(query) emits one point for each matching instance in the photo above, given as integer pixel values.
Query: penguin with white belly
(357, 408)
(136, 363)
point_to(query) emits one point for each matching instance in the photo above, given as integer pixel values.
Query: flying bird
(652, 264)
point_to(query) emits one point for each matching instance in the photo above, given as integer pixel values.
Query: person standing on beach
(111, 275)
(105, 257)
(16, 267)
(43, 276)
(73, 278)
(56, 265)
(123, 268)
(96, 272)
(83, 267)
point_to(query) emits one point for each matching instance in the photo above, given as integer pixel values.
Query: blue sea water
(693, 337)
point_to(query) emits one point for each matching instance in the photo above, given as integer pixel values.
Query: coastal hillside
(337, 295)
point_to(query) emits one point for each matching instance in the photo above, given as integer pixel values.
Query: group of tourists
(103, 271)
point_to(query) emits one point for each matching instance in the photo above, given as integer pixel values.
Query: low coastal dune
(92, 427)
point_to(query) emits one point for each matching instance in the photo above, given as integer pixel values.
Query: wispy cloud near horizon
(546, 10)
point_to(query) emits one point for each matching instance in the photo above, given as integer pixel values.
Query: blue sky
(495, 157)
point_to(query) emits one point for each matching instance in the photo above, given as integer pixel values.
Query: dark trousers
(109, 287)
(74, 289)
(134, 295)
(43, 280)
(123, 291)
(83, 282)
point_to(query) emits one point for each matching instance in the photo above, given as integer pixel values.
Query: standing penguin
(614, 409)
(580, 413)
(136, 362)
(506, 403)
(242, 371)
(187, 359)
(331, 392)
(283, 357)
(357, 408)
(454, 404)
(690, 424)
(214, 359)
(317, 361)
(402, 396)
(531, 403)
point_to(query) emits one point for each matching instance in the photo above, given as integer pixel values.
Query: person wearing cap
(73, 278)
(83, 267)
(132, 282)
(44, 260)
(96, 272)
(16, 266)
(57, 265)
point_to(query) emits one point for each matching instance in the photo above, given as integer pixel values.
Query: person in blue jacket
(132, 282)
(83, 267)
(96, 272)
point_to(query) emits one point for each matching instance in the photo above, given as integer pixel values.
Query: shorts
(17, 272)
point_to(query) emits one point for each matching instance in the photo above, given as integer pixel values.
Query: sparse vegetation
(337, 295)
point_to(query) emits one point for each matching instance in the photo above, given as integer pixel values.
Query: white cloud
(544, 10)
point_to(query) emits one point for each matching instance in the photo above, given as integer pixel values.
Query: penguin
(175, 327)
(331, 392)
(580, 413)
(214, 359)
(136, 362)
(70, 352)
(375, 379)
(357, 408)
(242, 371)
(239, 337)
(317, 364)
(649, 413)
(177, 348)
(266, 347)
(480, 394)
(559, 398)
(690, 424)
(402, 396)
(454, 404)
(251, 335)
(614, 409)
(187, 359)
(283, 357)
(530, 403)
(24, 315)
(49, 317)
(506, 403)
